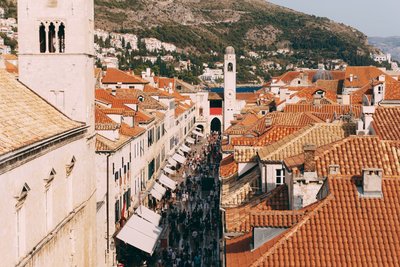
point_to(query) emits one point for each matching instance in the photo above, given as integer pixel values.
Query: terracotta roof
(386, 123)
(152, 91)
(238, 191)
(291, 75)
(215, 96)
(361, 76)
(130, 96)
(11, 68)
(276, 133)
(309, 92)
(325, 109)
(356, 97)
(248, 97)
(243, 125)
(228, 167)
(25, 117)
(297, 119)
(164, 82)
(179, 110)
(343, 229)
(102, 121)
(392, 89)
(354, 153)
(331, 85)
(105, 144)
(237, 218)
(319, 134)
(131, 131)
(114, 76)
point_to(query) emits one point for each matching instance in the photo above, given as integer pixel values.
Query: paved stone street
(191, 214)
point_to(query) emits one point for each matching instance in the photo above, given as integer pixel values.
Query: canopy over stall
(141, 234)
(169, 171)
(172, 162)
(158, 191)
(190, 140)
(179, 158)
(168, 182)
(185, 148)
(148, 215)
(197, 133)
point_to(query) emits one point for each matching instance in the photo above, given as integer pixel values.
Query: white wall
(74, 242)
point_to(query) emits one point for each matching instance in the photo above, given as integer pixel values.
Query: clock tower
(229, 86)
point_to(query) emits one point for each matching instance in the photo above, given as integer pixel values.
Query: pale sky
(372, 17)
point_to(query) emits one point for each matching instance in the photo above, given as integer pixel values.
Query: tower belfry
(56, 53)
(229, 86)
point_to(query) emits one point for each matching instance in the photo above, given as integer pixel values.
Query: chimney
(334, 169)
(351, 78)
(268, 121)
(317, 100)
(382, 78)
(309, 158)
(372, 182)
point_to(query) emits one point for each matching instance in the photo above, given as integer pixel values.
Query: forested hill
(205, 25)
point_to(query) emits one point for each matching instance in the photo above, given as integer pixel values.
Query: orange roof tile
(386, 123)
(228, 167)
(354, 153)
(325, 109)
(361, 76)
(343, 229)
(114, 76)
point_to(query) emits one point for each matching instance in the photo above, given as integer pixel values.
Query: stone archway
(216, 125)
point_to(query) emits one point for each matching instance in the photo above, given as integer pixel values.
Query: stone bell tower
(229, 86)
(56, 53)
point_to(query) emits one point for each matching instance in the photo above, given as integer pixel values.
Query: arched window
(52, 37)
(42, 38)
(230, 67)
(61, 38)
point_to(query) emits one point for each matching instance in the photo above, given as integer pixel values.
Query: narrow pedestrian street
(190, 214)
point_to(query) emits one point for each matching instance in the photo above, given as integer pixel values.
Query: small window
(61, 38)
(280, 177)
(52, 38)
(230, 67)
(42, 38)
(70, 166)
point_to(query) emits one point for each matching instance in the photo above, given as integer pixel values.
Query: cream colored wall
(74, 241)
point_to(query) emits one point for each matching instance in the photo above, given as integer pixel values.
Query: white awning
(168, 182)
(172, 162)
(158, 191)
(148, 215)
(190, 140)
(185, 148)
(180, 152)
(170, 171)
(141, 234)
(179, 158)
(198, 133)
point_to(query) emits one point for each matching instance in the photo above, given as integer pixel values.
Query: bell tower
(56, 53)
(229, 86)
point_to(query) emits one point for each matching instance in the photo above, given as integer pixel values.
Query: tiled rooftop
(387, 123)
(228, 167)
(319, 134)
(25, 117)
(114, 76)
(343, 229)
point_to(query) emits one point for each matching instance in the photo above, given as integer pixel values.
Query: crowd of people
(192, 213)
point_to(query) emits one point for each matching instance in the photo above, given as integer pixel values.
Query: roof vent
(334, 169)
(372, 182)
